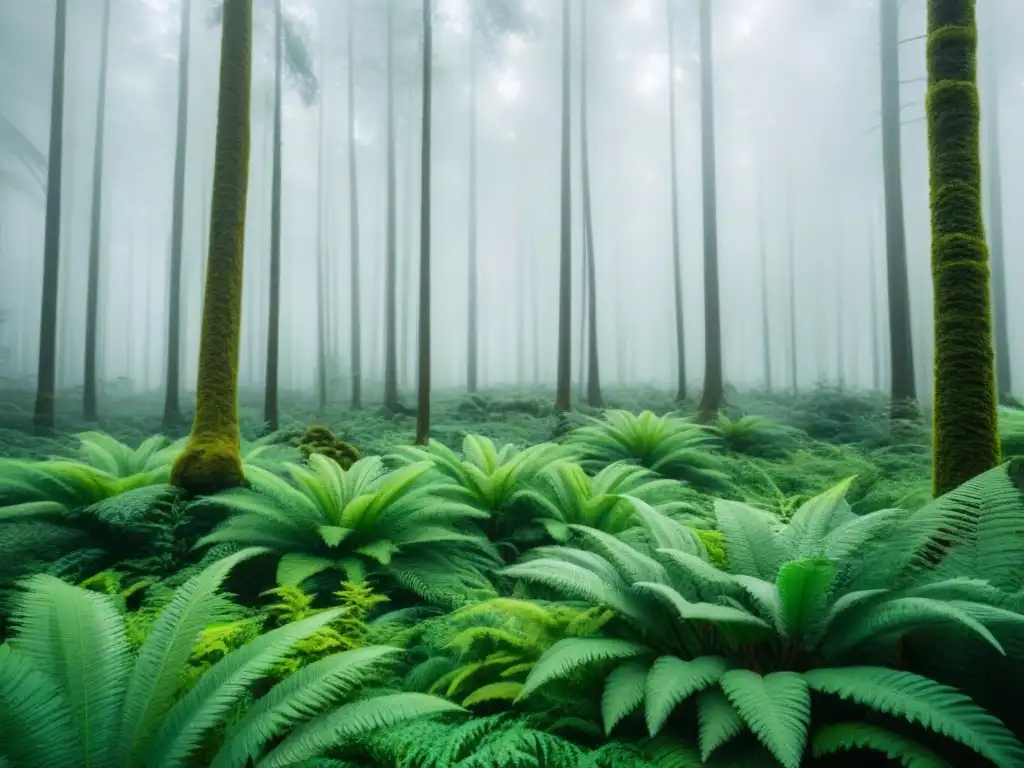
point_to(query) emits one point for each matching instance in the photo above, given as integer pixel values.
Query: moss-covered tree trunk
(713, 397)
(211, 460)
(92, 299)
(903, 390)
(563, 386)
(172, 382)
(965, 436)
(994, 198)
(472, 329)
(423, 379)
(353, 221)
(594, 399)
(44, 417)
(270, 402)
(677, 267)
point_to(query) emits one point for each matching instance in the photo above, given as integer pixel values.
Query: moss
(211, 461)
(321, 440)
(965, 441)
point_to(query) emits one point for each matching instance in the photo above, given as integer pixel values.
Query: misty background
(799, 171)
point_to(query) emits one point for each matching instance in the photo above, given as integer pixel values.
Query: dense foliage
(625, 589)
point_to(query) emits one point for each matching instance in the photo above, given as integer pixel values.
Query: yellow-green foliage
(498, 641)
(965, 435)
(714, 542)
(345, 633)
(215, 642)
(321, 440)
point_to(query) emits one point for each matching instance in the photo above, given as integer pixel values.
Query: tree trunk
(903, 389)
(876, 342)
(965, 439)
(766, 345)
(594, 399)
(44, 418)
(172, 385)
(270, 406)
(353, 218)
(423, 384)
(321, 259)
(990, 104)
(93, 281)
(840, 308)
(390, 337)
(793, 356)
(677, 267)
(563, 386)
(713, 397)
(473, 340)
(211, 460)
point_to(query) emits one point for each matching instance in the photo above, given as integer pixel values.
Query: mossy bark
(44, 417)
(89, 393)
(563, 386)
(211, 460)
(965, 435)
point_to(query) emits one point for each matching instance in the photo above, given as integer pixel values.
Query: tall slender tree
(473, 341)
(353, 219)
(211, 459)
(270, 405)
(391, 248)
(563, 387)
(713, 396)
(44, 418)
(677, 266)
(791, 227)
(172, 382)
(766, 343)
(423, 382)
(901, 346)
(594, 398)
(994, 197)
(321, 255)
(93, 281)
(965, 436)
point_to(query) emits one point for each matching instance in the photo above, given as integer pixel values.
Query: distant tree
(391, 401)
(677, 267)
(563, 387)
(93, 280)
(44, 418)
(594, 399)
(713, 397)
(172, 386)
(291, 50)
(322, 306)
(211, 460)
(423, 379)
(901, 344)
(965, 439)
(791, 228)
(762, 237)
(353, 216)
(996, 232)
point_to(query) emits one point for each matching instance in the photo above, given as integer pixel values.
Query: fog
(799, 176)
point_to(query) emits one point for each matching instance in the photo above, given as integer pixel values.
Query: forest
(511, 384)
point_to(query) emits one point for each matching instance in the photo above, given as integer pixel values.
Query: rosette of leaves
(670, 445)
(407, 525)
(793, 615)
